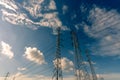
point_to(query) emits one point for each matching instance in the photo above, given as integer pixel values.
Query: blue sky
(28, 36)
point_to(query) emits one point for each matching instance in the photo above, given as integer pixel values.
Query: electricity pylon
(94, 77)
(81, 72)
(57, 62)
(7, 75)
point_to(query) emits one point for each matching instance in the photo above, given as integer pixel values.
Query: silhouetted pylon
(57, 62)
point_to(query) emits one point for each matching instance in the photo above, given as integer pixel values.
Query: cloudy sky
(28, 37)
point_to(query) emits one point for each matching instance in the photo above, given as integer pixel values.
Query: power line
(46, 51)
(112, 25)
(34, 68)
(91, 66)
(33, 65)
(81, 72)
(58, 69)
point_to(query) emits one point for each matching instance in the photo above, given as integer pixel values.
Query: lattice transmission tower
(7, 75)
(57, 62)
(81, 72)
(94, 77)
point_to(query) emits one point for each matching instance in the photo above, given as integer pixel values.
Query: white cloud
(66, 64)
(6, 50)
(21, 69)
(51, 20)
(35, 55)
(110, 76)
(9, 4)
(105, 29)
(86, 63)
(84, 75)
(52, 5)
(21, 76)
(15, 18)
(42, 15)
(64, 8)
(71, 52)
(102, 19)
(33, 7)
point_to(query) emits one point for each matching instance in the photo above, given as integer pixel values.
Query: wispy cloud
(64, 8)
(9, 4)
(105, 29)
(21, 76)
(31, 13)
(21, 69)
(6, 50)
(86, 63)
(35, 55)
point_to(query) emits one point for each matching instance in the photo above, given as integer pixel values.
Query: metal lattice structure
(81, 72)
(58, 69)
(94, 77)
(7, 75)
